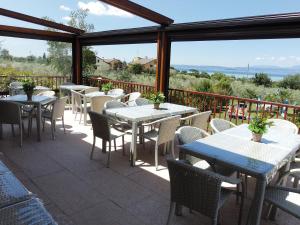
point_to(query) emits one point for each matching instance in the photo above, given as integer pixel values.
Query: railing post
(163, 63)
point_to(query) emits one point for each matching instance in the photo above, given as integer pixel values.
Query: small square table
(137, 114)
(38, 101)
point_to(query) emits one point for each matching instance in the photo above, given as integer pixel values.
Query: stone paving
(77, 190)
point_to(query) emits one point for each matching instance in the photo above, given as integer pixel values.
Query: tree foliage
(136, 68)
(60, 54)
(262, 79)
(291, 81)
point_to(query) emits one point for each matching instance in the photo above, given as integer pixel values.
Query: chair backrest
(77, 98)
(132, 97)
(10, 112)
(200, 120)
(188, 134)
(15, 84)
(284, 126)
(47, 93)
(167, 129)
(195, 188)
(116, 91)
(90, 90)
(114, 104)
(101, 126)
(98, 102)
(58, 109)
(219, 125)
(142, 101)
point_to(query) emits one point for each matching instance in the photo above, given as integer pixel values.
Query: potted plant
(106, 87)
(28, 88)
(259, 126)
(157, 98)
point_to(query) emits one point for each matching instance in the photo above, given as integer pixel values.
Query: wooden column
(163, 63)
(77, 62)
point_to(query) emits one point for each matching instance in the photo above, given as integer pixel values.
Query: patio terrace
(77, 190)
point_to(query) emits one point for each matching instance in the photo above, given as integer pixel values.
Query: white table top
(234, 148)
(147, 112)
(36, 99)
(74, 87)
(100, 93)
(273, 137)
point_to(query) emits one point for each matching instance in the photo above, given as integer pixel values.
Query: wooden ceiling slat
(139, 10)
(21, 32)
(39, 21)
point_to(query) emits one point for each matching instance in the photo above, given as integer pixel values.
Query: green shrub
(262, 79)
(291, 81)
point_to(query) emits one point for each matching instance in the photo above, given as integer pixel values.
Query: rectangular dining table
(37, 101)
(233, 148)
(138, 114)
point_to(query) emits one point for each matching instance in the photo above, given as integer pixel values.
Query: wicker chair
(132, 97)
(284, 126)
(56, 112)
(98, 102)
(199, 120)
(141, 101)
(11, 113)
(277, 195)
(163, 135)
(188, 134)
(78, 98)
(198, 189)
(102, 128)
(219, 125)
(122, 126)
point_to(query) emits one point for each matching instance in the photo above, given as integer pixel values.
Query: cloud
(259, 58)
(101, 9)
(67, 18)
(64, 8)
(282, 58)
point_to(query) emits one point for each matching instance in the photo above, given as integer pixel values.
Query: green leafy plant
(107, 87)
(259, 124)
(157, 97)
(28, 85)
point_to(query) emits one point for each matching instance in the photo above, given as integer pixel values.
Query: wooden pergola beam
(28, 33)
(39, 21)
(139, 10)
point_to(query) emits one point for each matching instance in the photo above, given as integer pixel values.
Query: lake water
(275, 73)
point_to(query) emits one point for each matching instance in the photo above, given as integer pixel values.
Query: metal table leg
(38, 121)
(133, 144)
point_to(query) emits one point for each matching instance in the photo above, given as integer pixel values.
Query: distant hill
(275, 72)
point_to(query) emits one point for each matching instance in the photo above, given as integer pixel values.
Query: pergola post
(163, 63)
(76, 61)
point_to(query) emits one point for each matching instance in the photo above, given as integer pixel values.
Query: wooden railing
(52, 82)
(236, 109)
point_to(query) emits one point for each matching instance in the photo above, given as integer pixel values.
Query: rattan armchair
(285, 198)
(199, 120)
(199, 190)
(102, 128)
(219, 125)
(11, 113)
(131, 98)
(284, 126)
(164, 134)
(98, 102)
(141, 101)
(56, 112)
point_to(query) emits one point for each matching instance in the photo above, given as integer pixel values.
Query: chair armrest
(230, 180)
(293, 172)
(289, 189)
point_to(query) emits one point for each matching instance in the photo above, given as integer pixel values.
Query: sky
(284, 52)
